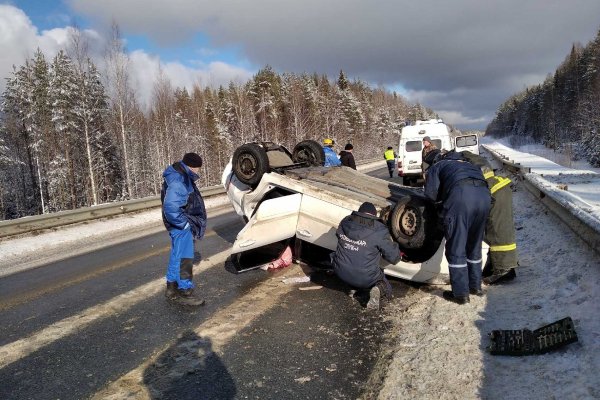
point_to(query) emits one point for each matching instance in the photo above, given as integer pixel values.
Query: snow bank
(576, 190)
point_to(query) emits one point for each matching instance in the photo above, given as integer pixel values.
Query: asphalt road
(98, 326)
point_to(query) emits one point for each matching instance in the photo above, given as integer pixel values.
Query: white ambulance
(411, 146)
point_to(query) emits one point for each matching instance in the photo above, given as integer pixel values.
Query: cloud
(429, 45)
(19, 39)
(145, 70)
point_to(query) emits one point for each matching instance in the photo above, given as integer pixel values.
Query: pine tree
(64, 96)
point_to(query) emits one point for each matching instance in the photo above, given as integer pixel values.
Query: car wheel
(408, 222)
(310, 152)
(250, 163)
(406, 181)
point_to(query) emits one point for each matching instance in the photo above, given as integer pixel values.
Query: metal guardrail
(579, 223)
(45, 221)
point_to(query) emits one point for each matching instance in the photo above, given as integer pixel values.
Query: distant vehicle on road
(411, 146)
(289, 198)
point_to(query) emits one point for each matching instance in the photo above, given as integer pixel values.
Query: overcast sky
(462, 58)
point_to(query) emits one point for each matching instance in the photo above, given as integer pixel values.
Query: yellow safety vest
(389, 155)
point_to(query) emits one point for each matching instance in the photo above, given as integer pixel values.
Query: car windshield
(414, 145)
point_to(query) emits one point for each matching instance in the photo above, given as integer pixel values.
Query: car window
(414, 145)
(437, 142)
(463, 141)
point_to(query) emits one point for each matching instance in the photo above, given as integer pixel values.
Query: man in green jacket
(500, 227)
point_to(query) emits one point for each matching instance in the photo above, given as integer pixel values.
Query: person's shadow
(189, 370)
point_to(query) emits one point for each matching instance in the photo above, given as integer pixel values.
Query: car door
(320, 217)
(467, 142)
(275, 220)
(411, 160)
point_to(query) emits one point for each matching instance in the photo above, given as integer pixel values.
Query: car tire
(309, 151)
(408, 222)
(250, 163)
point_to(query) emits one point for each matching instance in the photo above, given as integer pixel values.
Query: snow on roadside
(29, 250)
(577, 189)
(440, 347)
(22, 252)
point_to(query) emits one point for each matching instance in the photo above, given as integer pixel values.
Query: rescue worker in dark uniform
(465, 200)
(362, 240)
(500, 228)
(390, 159)
(184, 216)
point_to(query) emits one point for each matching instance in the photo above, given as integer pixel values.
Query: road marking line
(28, 296)
(216, 331)
(21, 348)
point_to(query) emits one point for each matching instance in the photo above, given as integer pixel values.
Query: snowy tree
(122, 100)
(66, 96)
(90, 112)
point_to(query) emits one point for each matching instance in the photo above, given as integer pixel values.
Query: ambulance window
(437, 142)
(414, 145)
(463, 141)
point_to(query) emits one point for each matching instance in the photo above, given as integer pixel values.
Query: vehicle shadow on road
(189, 369)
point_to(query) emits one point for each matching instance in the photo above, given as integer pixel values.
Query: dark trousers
(391, 164)
(465, 213)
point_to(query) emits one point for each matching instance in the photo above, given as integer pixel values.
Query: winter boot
(500, 277)
(448, 295)
(374, 298)
(171, 292)
(188, 298)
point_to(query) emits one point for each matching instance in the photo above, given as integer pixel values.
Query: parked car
(290, 198)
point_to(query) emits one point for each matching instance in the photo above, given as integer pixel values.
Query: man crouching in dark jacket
(362, 240)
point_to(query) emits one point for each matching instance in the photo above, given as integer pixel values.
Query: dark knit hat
(348, 146)
(367, 208)
(427, 139)
(192, 160)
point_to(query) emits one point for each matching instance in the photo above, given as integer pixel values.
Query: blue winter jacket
(362, 241)
(182, 202)
(331, 158)
(446, 173)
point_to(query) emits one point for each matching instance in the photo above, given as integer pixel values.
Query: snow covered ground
(439, 348)
(576, 185)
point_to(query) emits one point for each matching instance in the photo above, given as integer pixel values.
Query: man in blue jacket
(331, 158)
(465, 198)
(184, 216)
(362, 240)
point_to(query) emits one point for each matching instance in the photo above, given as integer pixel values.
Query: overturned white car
(291, 199)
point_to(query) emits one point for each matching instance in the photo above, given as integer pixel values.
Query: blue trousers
(465, 213)
(181, 259)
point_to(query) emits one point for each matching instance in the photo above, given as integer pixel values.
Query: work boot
(476, 292)
(500, 277)
(448, 295)
(374, 297)
(188, 298)
(171, 291)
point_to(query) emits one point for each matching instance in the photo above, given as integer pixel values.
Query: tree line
(563, 112)
(73, 136)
